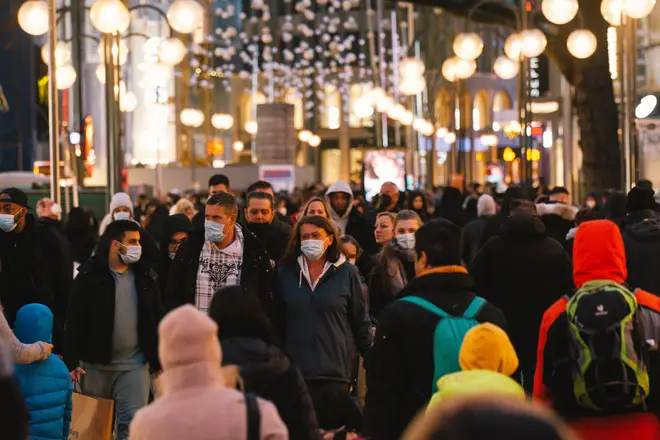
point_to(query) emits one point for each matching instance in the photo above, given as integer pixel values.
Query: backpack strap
(474, 308)
(427, 305)
(253, 417)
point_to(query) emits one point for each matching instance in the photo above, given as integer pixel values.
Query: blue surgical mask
(121, 215)
(406, 241)
(313, 249)
(214, 232)
(7, 222)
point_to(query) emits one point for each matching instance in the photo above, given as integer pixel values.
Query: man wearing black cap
(34, 265)
(557, 215)
(641, 237)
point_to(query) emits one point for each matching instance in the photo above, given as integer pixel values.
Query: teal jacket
(46, 385)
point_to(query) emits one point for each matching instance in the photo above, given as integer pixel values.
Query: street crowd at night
(318, 315)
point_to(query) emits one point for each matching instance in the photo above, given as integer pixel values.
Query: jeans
(129, 390)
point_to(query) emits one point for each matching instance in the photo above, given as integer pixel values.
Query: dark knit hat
(640, 198)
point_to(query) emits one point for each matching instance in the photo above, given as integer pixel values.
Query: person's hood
(259, 362)
(640, 216)
(646, 230)
(566, 212)
(486, 205)
(173, 224)
(339, 187)
(187, 337)
(34, 322)
(523, 227)
(487, 347)
(598, 253)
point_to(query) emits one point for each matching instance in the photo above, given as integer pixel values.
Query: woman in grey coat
(323, 319)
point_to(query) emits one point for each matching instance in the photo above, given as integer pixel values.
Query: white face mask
(313, 249)
(172, 255)
(214, 232)
(7, 222)
(56, 209)
(591, 204)
(282, 211)
(352, 261)
(121, 215)
(406, 241)
(132, 255)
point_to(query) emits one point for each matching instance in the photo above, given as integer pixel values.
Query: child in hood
(487, 359)
(46, 385)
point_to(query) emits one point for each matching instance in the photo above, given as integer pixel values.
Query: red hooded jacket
(598, 254)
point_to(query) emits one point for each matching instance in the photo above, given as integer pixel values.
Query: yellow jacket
(475, 382)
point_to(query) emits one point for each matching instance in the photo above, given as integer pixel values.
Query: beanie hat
(120, 199)
(486, 205)
(639, 199)
(487, 347)
(187, 336)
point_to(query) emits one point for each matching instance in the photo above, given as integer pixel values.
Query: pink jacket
(195, 404)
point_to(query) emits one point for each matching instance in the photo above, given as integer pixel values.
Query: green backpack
(448, 335)
(608, 354)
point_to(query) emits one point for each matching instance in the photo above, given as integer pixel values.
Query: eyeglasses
(177, 243)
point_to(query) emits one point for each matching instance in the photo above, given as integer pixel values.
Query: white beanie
(486, 205)
(121, 199)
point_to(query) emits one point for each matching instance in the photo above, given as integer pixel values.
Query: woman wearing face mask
(323, 319)
(176, 230)
(395, 265)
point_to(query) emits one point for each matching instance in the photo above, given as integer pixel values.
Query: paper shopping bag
(91, 419)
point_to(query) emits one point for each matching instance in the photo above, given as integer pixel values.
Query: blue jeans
(129, 390)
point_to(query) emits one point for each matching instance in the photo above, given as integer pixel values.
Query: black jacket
(323, 328)
(400, 364)
(274, 237)
(91, 315)
(558, 218)
(523, 272)
(82, 243)
(472, 234)
(36, 267)
(268, 373)
(256, 273)
(641, 237)
(360, 228)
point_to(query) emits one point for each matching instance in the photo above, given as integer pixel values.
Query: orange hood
(598, 253)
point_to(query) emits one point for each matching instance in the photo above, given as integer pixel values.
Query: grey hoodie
(340, 187)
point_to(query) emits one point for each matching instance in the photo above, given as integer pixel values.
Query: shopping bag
(92, 418)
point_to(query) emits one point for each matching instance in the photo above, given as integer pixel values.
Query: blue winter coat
(46, 385)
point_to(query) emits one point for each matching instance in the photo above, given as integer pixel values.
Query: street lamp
(192, 117)
(110, 16)
(512, 46)
(638, 8)
(33, 17)
(560, 11)
(468, 46)
(582, 43)
(251, 127)
(185, 15)
(505, 67)
(611, 11)
(533, 42)
(171, 51)
(222, 121)
(62, 53)
(314, 141)
(65, 76)
(305, 135)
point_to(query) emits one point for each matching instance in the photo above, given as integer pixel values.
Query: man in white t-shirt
(226, 255)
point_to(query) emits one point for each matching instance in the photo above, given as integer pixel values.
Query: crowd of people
(317, 314)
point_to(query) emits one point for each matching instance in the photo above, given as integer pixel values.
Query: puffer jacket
(46, 385)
